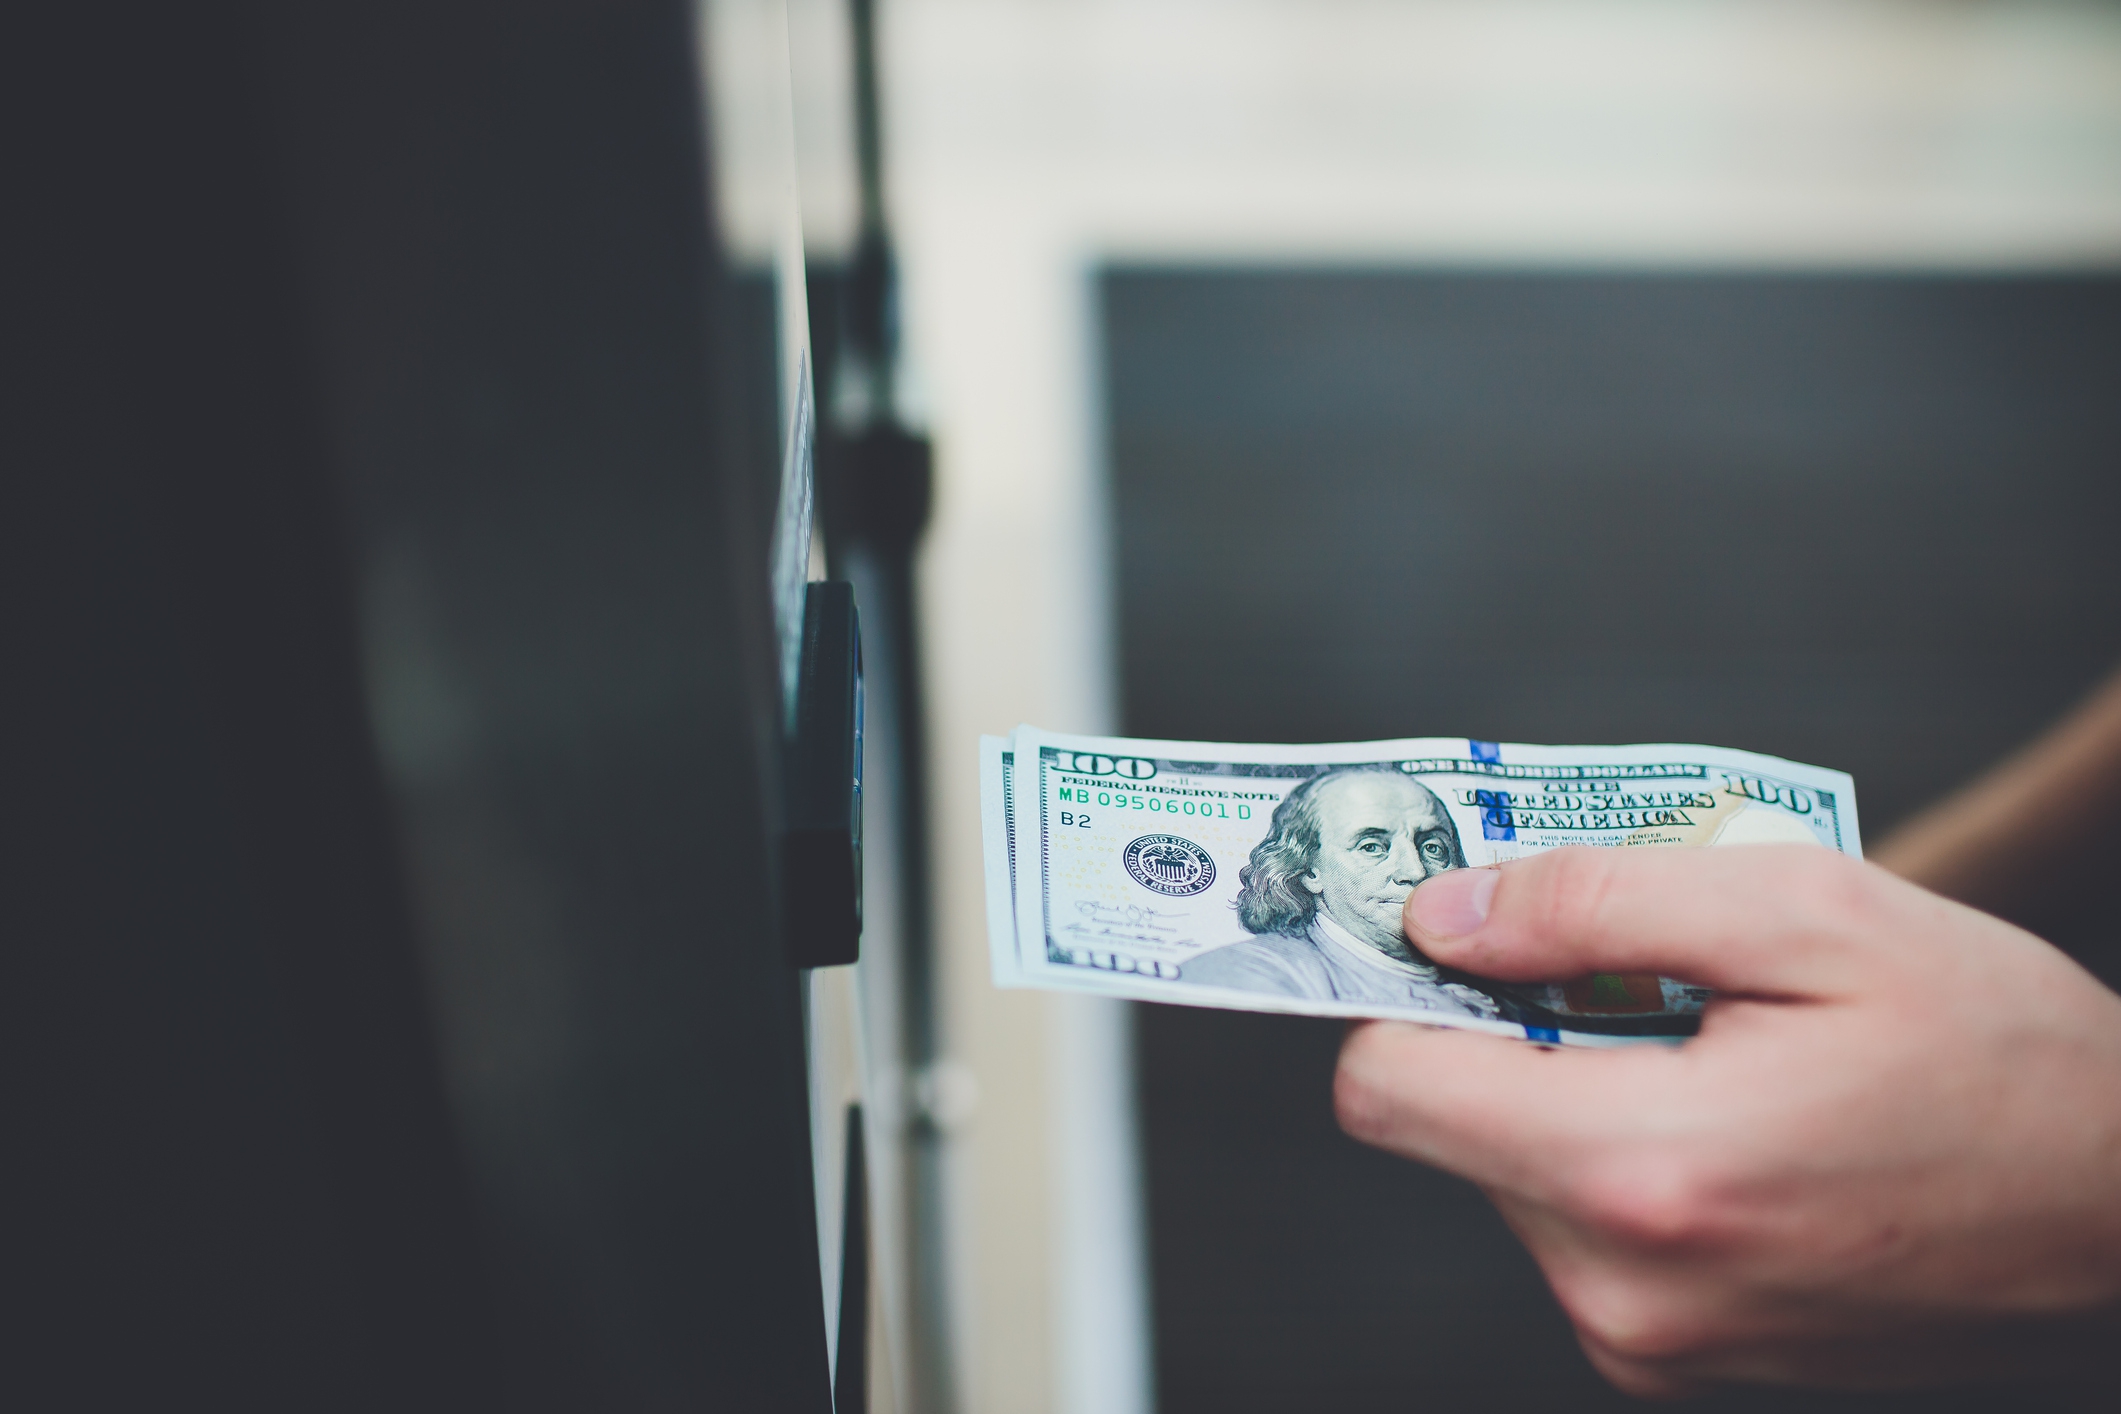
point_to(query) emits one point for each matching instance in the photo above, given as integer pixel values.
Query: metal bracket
(821, 849)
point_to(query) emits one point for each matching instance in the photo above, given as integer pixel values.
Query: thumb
(1769, 920)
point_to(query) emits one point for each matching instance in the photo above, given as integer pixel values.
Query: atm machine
(436, 897)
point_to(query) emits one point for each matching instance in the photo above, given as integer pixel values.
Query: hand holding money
(1892, 1154)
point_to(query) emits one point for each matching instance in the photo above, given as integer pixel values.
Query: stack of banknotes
(1272, 878)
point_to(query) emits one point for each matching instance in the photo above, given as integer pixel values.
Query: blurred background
(1726, 370)
(434, 939)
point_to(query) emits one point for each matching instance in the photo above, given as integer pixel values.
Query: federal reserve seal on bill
(1169, 865)
(1272, 878)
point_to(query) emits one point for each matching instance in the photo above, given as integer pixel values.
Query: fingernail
(1454, 904)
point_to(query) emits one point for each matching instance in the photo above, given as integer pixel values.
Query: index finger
(1765, 920)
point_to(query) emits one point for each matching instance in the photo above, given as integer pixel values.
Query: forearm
(2017, 829)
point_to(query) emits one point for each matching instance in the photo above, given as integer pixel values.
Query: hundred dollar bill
(1271, 878)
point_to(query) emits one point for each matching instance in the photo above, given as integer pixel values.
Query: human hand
(1891, 1157)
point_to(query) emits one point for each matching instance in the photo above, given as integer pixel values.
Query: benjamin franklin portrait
(1322, 895)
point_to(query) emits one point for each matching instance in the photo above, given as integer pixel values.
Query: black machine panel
(394, 952)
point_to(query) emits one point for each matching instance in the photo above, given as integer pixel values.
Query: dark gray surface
(1865, 522)
(392, 986)
(545, 419)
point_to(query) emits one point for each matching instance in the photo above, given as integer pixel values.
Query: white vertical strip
(1101, 1311)
(1103, 1361)
(1048, 1229)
